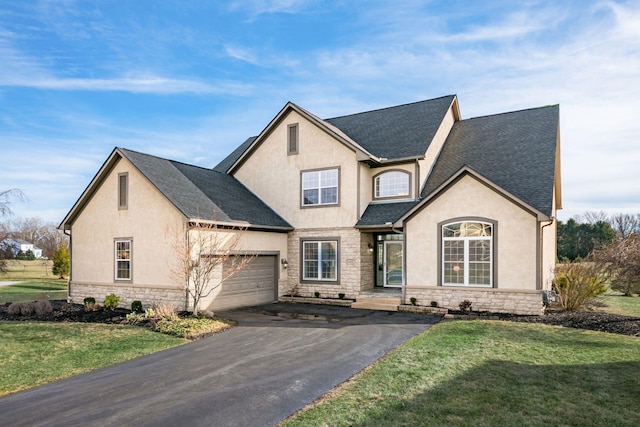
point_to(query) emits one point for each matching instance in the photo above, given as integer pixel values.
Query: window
(391, 184)
(292, 139)
(467, 254)
(320, 260)
(123, 259)
(123, 196)
(320, 187)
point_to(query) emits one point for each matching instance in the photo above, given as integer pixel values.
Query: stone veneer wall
(148, 295)
(493, 300)
(355, 270)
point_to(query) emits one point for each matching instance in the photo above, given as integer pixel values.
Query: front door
(393, 272)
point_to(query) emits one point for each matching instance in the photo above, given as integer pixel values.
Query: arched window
(391, 184)
(467, 254)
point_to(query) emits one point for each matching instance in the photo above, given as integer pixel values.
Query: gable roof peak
(407, 104)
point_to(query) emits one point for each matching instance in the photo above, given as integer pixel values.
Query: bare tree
(5, 211)
(622, 259)
(5, 200)
(625, 224)
(206, 255)
(593, 217)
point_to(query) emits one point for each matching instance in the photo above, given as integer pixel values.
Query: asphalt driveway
(279, 358)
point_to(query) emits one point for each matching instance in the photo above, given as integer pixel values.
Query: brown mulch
(65, 312)
(591, 320)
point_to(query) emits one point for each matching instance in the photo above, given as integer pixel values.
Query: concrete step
(368, 305)
(379, 299)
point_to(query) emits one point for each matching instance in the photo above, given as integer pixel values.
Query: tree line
(610, 241)
(44, 235)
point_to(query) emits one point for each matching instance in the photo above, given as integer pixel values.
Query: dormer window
(391, 184)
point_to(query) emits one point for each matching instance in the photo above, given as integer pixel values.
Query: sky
(191, 80)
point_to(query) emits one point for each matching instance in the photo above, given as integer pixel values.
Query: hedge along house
(403, 202)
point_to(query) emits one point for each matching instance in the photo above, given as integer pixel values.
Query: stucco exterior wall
(355, 264)
(275, 176)
(515, 247)
(144, 221)
(248, 242)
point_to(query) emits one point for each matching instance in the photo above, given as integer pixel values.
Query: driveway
(273, 363)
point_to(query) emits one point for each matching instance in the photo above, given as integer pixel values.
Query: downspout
(541, 267)
(69, 299)
(186, 285)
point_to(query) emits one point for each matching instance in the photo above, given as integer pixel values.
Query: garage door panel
(254, 284)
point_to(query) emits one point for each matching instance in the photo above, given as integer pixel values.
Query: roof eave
(88, 192)
(240, 225)
(466, 170)
(331, 130)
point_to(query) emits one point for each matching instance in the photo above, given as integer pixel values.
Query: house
(20, 245)
(407, 203)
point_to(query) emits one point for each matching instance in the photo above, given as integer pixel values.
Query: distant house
(406, 203)
(20, 245)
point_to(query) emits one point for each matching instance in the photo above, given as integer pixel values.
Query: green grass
(615, 302)
(33, 353)
(32, 289)
(37, 269)
(492, 373)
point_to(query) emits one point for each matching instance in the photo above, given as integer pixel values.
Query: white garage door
(255, 284)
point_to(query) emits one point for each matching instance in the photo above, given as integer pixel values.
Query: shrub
(27, 308)
(61, 261)
(577, 284)
(465, 305)
(43, 308)
(111, 301)
(136, 306)
(164, 311)
(90, 304)
(413, 300)
(14, 309)
(317, 294)
(341, 295)
(434, 303)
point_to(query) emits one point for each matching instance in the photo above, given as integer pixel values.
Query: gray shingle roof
(515, 150)
(377, 214)
(396, 132)
(228, 161)
(392, 133)
(205, 193)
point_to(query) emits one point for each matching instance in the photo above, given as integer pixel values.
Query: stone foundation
(148, 295)
(493, 300)
(355, 269)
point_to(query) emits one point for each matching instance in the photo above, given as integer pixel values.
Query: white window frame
(117, 261)
(378, 184)
(466, 262)
(305, 186)
(305, 277)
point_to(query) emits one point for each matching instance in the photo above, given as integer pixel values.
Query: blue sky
(191, 80)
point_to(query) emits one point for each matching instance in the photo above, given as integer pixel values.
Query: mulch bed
(591, 320)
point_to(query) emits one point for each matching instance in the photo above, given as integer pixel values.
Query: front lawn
(33, 353)
(615, 302)
(491, 373)
(32, 289)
